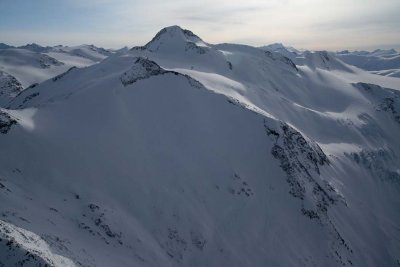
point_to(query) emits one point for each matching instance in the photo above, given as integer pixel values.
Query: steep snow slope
(183, 153)
(22, 248)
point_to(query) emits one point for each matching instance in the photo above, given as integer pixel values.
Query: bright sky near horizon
(311, 24)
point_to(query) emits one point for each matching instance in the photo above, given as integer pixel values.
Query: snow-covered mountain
(35, 47)
(380, 61)
(32, 63)
(383, 62)
(5, 46)
(287, 51)
(90, 52)
(185, 153)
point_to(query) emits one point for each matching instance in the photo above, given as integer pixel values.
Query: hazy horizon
(308, 24)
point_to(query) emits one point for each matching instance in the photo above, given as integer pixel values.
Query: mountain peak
(34, 47)
(5, 46)
(276, 46)
(173, 36)
(177, 31)
(173, 28)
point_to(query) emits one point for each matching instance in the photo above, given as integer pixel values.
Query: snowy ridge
(24, 248)
(167, 156)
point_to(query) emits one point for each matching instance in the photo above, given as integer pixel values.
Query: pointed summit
(173, 37)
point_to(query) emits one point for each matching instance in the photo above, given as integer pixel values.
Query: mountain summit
(173, 38)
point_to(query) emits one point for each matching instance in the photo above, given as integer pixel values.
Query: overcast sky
(312, 24)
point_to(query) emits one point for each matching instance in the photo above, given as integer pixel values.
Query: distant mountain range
(382, 62)
(33, 63)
